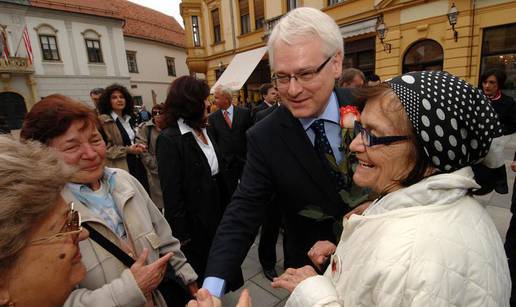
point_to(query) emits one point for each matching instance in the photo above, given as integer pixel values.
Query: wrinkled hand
(358, 210)
(320, 252)
(137, 149)
(204, 299)
(193, 288)
(148, 277)
(293, 277)
(513, 166)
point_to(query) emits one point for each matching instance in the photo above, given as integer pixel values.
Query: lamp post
(381, 30)
(452, 19)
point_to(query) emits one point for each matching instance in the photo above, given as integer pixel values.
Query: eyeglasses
(283, 80)
(156, 113)
(72, 227)
(370, 139)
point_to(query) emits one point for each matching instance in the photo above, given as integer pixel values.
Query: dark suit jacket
(263, 113)
(231, 142)
(261, 106)
(281, 161)
(192, 201)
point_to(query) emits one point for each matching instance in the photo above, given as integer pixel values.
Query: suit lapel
(297, 141)
(235, 122)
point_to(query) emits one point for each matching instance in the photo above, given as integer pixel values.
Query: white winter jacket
(426, 245)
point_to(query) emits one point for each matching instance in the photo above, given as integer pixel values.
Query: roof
(140, 22)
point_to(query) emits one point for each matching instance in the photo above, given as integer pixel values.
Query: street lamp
(452, 19)
(381, 30)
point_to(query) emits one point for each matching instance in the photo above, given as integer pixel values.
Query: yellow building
(418, 36)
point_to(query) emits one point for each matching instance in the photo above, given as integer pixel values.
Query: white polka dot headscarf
(453, 120)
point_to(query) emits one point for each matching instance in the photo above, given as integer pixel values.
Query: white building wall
(152, 68)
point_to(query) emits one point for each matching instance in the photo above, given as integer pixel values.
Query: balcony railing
(15, 65)
(269, 25)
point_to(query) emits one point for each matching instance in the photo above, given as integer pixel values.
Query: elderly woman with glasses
(113, 204)
(40, 262)
(424, 241)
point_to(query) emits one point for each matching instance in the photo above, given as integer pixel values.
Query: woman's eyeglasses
(156, 113)
(370, 139)
(72, 226)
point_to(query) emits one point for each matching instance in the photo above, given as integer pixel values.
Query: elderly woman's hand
(293, 277)
(148, 277)
(204, 299)
(320, 252)
(136, 149)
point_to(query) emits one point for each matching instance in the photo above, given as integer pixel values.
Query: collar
(183, 127)
(108, 177)
(331, 113)
(124, 118)
(268, 104)
(229, 109)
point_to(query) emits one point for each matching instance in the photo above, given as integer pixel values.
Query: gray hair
(31, 179)
(226, 91)
(304, 22)
(349, 74)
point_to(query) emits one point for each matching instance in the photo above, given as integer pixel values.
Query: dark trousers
(510, 246)
(269, 237)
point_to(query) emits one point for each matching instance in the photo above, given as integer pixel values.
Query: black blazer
(186, 181)
(261, 106)
(263, 113)
(281, 161)
(231, 141)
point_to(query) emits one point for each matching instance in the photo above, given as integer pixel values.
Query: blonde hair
(31, 179)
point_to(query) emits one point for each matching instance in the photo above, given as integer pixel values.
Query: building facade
(417, 34)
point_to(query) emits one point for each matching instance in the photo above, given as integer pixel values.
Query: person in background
(228, 126)
(190, 170)
(425, 241)
(373, 80)
(270, 97)
(352, 77)
(493, 81)
(40, 260)
(95, 96)
(114, 205)
(116, 109)
(147, 135)
(144, 115)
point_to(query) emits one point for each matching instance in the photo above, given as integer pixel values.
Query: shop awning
(240, 68)
(358, 28)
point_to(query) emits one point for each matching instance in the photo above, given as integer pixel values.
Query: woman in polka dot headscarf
(424, 241)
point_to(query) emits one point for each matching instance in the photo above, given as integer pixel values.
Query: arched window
(48, 42)
(93, 46)
(423, 55)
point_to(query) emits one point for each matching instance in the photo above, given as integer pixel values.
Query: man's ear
(337, 64)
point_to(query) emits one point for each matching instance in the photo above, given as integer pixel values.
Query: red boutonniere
(348, 115)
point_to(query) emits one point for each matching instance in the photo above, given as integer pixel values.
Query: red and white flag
(3, 45)
(26, 42)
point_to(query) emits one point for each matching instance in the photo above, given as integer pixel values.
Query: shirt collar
(229, 109)
(331, 113)
(108, 176)
(115, 116)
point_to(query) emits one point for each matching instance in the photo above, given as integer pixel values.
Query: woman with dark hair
(425, 241)
(115, 207)
(116, 109)
(190, 170)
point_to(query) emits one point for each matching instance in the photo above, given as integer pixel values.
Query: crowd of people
(115, 207)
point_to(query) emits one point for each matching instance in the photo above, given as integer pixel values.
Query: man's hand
(293, 277)
(148, 277)
(204, 299)
(358, 210)
(320, 252)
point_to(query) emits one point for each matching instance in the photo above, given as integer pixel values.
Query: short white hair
(300, 24)
(226, 91)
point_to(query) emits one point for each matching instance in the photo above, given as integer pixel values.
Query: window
(195, 31)
(333, 2)
(259, 16)
(245, 25)
(291, 4)
(49, 48)
(499, 51)
(360, 54)
(216, 26)
(423, 55)
(138, 101)
(94, 51)
(131, 61)
(171, 66)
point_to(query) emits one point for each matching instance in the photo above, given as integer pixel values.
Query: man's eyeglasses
(283, 80)
(370, 139)
(72, 226)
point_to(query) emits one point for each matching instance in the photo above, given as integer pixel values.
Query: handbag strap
(109, 246)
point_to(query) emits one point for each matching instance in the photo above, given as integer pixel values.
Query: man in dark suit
(287, 151)
(228, 126)
(270, 97)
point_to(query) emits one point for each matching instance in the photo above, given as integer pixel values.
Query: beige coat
(116, 152)
(150, 161)
(108, 282)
